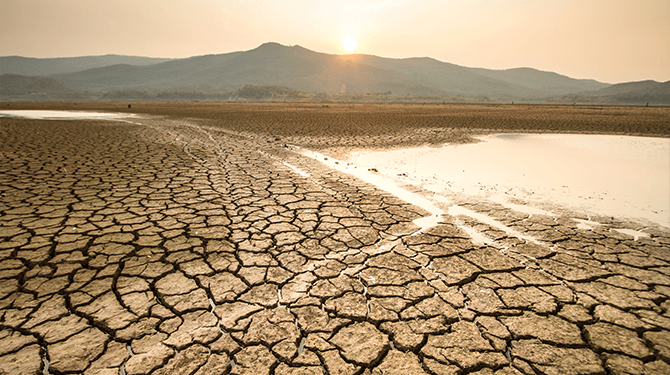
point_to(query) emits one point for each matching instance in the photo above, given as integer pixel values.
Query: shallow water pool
(63, 115)
(619, 176)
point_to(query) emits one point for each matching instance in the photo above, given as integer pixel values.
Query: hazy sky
(608, 40)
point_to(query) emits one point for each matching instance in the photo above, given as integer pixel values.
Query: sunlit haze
(350, 44)
(608, 40)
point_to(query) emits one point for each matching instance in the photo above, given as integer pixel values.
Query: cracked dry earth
(165, 247)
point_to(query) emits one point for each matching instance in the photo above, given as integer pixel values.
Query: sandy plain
(186, 240)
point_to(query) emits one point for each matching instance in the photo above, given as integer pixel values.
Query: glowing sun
(349, 44)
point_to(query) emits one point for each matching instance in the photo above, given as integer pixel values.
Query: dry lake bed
(217, 238)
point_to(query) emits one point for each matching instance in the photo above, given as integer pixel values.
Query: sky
(611, 41)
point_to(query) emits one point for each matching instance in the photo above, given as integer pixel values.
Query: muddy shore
(192, 240)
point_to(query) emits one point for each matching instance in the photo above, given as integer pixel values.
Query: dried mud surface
(182, 242)
(324, 125)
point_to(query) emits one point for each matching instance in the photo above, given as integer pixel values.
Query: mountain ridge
(32, 66)
(36, 88)
(310, 71)
(304, 70)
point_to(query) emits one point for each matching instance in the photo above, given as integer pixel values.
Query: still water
(63, 115)
(620, 176)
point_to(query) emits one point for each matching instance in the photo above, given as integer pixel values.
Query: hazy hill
(448, 78)
(30, 66)
(641, 88)
(269, 64)
(549, 83)
(14, 86)
(273, 66)
(306, 70)
(640, 92)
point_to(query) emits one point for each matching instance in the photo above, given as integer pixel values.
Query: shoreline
(623, 176)
(389, 120)
(344, 146)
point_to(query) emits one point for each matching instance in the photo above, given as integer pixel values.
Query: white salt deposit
(297, 170)
(383, 182)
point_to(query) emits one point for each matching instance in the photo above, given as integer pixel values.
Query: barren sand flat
(191, 239)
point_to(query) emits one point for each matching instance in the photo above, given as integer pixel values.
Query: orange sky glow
(608, 40)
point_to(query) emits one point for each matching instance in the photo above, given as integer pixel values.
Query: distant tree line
(268, 92)
(33, 88)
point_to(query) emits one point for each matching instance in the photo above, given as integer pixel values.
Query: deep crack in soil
(168, 244)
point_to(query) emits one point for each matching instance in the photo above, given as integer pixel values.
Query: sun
(350, 44)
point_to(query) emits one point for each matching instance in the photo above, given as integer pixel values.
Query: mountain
(640, 92)
(18, 87)
(311, 74)
(305, 70)
(29, 66)
(636, 91)
(549, 83)
(448, 78)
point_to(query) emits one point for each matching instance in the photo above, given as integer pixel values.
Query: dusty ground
(184, 244)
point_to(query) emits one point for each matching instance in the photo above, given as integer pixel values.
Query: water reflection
(63, 115)
(618, 176)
